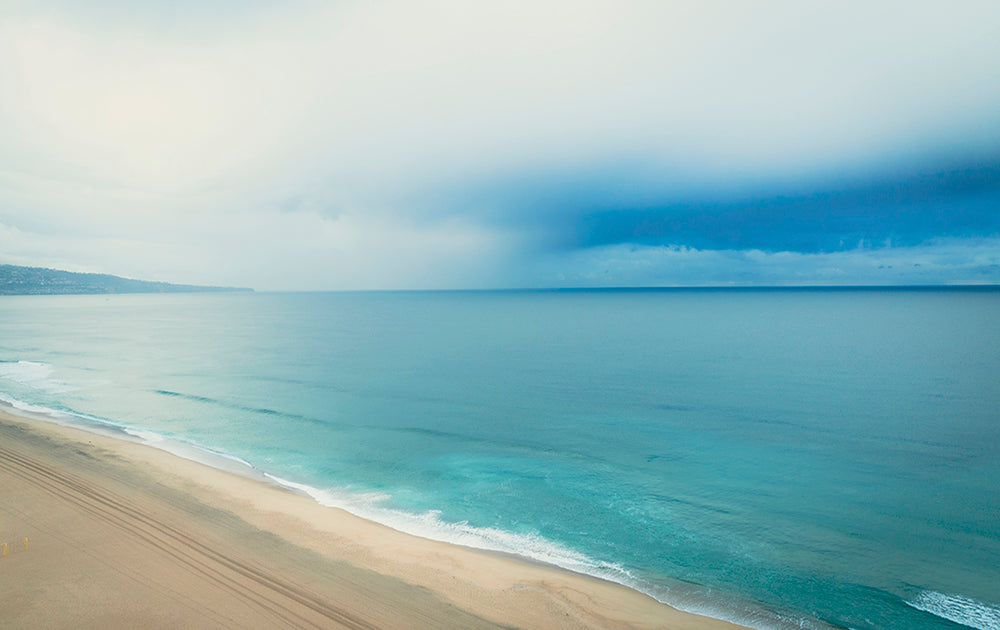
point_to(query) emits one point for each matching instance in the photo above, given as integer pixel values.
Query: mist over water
(781, 458)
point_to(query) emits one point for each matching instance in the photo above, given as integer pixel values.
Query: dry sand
(123, 535)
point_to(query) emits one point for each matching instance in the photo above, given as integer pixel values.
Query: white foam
(24, 372)
(430, 525)
(175, 446)
(192, 451)
(28, 407)
(368, 505)
(959, 609)
(33, 374)
(69, 418)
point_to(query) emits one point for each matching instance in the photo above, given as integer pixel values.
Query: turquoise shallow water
(782, 458)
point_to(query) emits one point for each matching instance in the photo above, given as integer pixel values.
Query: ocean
(800, 458)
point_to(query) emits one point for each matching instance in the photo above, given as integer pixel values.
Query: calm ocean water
(780, 458)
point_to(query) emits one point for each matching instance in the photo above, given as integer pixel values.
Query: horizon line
(668, 288)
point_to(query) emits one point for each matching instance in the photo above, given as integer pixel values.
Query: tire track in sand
(283, 601)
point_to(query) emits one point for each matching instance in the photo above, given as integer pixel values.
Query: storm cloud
(307, 145)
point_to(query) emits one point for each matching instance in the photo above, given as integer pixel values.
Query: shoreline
(217, 460)
(343, 559)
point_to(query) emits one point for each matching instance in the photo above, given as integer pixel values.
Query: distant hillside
(39, 281)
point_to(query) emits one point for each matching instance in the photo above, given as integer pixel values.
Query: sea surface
(779, 458)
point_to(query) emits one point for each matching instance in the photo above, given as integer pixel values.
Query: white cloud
(400, 86)
(942, 261)
(194, 124)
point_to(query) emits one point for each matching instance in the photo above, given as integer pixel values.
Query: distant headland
(16, 280)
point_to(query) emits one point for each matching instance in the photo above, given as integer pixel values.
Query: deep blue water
(782, 458)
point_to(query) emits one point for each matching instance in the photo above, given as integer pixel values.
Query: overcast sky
(422, 144)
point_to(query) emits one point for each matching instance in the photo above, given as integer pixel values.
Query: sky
(302, 145)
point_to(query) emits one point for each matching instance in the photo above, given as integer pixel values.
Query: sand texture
(123, 535)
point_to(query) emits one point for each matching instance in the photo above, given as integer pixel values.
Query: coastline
(123, 532)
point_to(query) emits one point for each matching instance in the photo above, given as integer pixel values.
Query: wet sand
(120, 534)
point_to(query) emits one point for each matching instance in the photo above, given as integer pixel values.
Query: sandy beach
(105, 533)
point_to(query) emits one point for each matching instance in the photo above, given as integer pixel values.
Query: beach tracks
(276, 601)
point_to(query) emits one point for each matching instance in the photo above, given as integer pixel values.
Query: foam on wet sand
(121, 534)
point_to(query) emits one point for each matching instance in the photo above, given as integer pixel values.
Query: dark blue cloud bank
(903, 210)
(351, 145)
(927, 224)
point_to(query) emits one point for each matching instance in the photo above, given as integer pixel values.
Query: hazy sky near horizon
(384, 145)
